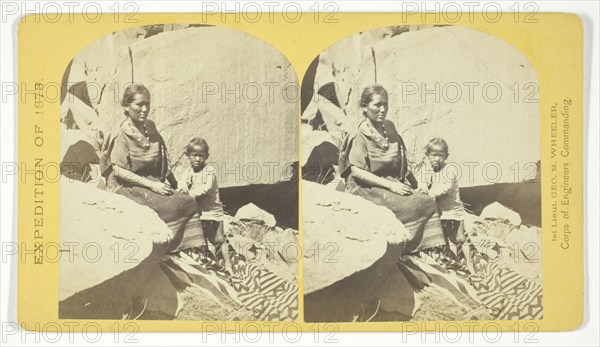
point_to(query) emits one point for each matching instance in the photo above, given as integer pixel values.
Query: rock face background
(231, 88)
(442, 82)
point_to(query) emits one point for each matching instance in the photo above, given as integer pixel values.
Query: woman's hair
(368, 92)
(131, 91)
(196, 142)
(436, 141)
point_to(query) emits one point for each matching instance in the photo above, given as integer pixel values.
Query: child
(442, 185)
(200, 182)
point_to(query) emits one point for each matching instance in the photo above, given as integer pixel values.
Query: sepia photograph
(421, 193)
(297, 173)
(179, 187)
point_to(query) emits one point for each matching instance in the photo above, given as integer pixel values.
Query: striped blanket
(504, 292)
(507, 293)
(266, 295)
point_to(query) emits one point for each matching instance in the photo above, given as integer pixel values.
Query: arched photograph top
(420, 154)
(179, 163)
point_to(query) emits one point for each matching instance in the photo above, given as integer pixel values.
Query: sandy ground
(199, 307)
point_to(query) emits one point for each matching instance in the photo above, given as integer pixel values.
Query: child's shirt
(203, 187)
(443, 187)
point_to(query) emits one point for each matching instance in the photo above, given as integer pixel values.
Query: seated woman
(373, 162)
(136, 166)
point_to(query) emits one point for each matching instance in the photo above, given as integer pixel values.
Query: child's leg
(464, 245)
(222, 243)
(216, 236)
(454, 231)
(447, 230)
(454, 234)
(461, 236)
(209, 227)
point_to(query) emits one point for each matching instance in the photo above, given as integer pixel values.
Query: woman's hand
(400, 188)
(373, 180)
(161, 188)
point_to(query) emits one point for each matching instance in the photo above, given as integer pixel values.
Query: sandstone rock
(498, 211)
(199, 90)
(172, 27)
(70, 137)
(342, 234)
(525, 198)
(104, 66)
(77, 161)
(324, 75)
(80, 155)
(447, 60)
(275, 249)
(116, 248)
(350, 64)
(332, 116)
(253, 212)
(310, 113)
(245, 107)
(319, 156)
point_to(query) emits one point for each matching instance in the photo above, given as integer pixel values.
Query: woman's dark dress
(178, 210)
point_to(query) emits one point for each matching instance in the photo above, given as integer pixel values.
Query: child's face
(197, 156)
(437, 155)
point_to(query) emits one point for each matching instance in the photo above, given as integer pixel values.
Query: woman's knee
(429, 204)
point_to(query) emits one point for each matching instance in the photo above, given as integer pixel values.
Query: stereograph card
(360, 172)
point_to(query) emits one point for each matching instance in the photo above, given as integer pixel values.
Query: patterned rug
(473, 279)
(262, 292)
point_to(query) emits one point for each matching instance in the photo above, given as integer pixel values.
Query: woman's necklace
(382, 141)
(145, 144)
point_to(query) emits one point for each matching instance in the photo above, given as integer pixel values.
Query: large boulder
(524, 198)
(319, 156)
(112, 251)
(240, 105)
(498, 211)
(273, 248)
(342, 234)
(96, 78)
(472, 89)
(199, 90)
(251, 212)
